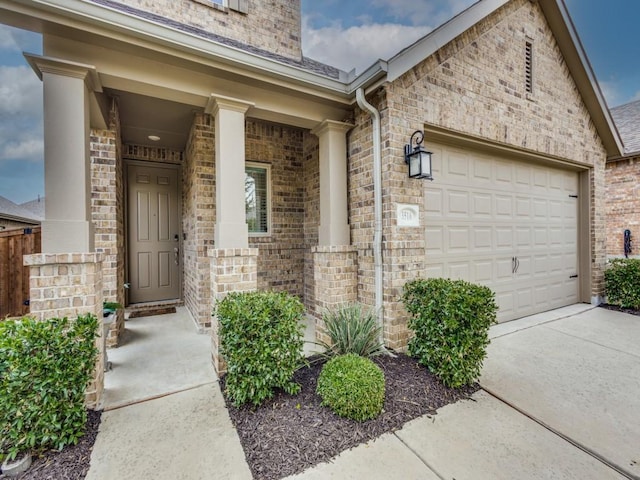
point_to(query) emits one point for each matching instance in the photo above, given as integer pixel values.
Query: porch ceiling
(141, 116)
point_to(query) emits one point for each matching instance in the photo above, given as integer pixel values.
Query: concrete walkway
(560, 401)
(164, 416)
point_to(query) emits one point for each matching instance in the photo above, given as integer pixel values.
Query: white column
(67, 167)
(231, 229)
(334, 221)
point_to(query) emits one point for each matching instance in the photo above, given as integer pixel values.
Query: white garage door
(507, 224)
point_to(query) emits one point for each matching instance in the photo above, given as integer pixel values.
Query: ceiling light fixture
(154, 138)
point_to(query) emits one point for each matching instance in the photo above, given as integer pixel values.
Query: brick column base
(232, 270)
(335, 274)
(68, 285)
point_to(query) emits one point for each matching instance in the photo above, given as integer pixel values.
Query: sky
(347, 34)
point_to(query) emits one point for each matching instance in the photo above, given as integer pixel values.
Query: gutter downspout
(377, 196)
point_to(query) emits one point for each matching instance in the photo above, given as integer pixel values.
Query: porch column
(231, 229)
(67, 226)
(335, 267)
(334, 222)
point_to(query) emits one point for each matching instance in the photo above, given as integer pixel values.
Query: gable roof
(35, 206)
(11, 211)
(627, 118)
(560, 23)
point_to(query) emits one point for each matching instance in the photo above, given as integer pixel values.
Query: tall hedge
(45, 367)
(261, 337)
(451, 320)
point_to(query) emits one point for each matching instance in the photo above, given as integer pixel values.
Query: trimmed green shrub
(451, 320)
(352, 329)
(352, 386)
(261, 340)
(622, 282)
(45, 367)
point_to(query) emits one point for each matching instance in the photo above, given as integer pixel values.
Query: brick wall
(623, 205)
(68, 285)
(311, 182)
(272, 25)
(107, 214)
(281, 253)
(198, 218)
(475, 85)
(232, 270)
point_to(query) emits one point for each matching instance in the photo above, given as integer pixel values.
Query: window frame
(267, 168)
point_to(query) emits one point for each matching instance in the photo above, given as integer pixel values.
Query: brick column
(232, 270)
(68, 285)
(335, 274)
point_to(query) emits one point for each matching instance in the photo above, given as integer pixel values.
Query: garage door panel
(482, 171)
(458, 203)
(459, 271)
(458, 165)
(504, 173)
(458, 240)
(483, 272)
(504, 238)
(504, 206)
(483, 212)
(482, 205)
(482, 239)
(434, 240)
(523, 208)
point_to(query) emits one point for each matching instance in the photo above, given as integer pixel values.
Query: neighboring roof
(11, 211)
(35, 206)
(627, 119)
(305, 63)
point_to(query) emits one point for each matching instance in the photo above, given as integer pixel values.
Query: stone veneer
(68, 285)
(474, 85)
(232, 270)
(623, 205)
(274, 25)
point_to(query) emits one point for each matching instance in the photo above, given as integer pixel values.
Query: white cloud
(17, 40)
(30, 149)
(424, 12)
(20, 92)
(359, 46)
(611, 91)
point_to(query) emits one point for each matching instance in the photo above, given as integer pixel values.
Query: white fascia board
(82, 13)
(438, 38)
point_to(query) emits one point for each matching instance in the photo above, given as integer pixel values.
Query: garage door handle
(517, 264)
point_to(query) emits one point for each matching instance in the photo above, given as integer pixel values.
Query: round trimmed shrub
(352, 386)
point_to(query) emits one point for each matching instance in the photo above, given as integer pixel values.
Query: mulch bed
(288, 434)
(620, 309)
(72, 463)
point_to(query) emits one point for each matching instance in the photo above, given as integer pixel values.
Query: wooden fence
(14, 277)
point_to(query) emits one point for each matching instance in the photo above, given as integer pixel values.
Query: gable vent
(528, 67)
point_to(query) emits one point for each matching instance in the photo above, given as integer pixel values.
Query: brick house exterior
(623, 188)
(504, 95)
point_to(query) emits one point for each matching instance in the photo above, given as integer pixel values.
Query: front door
(154, 234)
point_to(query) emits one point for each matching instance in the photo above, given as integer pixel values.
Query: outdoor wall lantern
(418, 159)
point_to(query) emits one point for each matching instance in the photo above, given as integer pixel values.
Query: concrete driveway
(579, 376)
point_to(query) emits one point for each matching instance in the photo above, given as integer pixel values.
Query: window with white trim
(257, 194)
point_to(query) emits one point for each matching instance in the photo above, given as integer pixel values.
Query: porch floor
(158, 355)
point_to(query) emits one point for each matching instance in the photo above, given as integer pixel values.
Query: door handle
(176, 253)
(517, 264)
